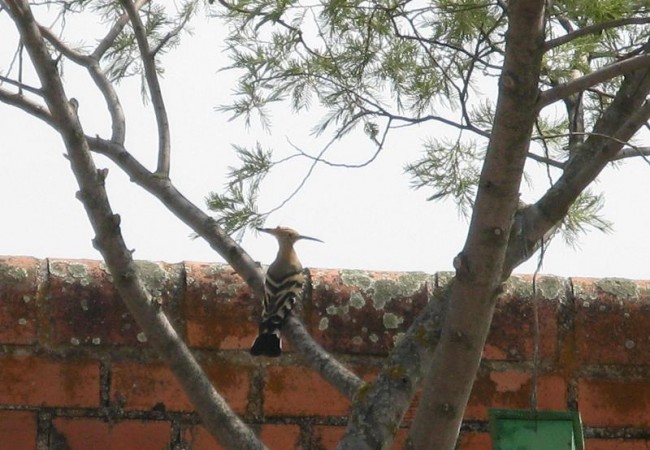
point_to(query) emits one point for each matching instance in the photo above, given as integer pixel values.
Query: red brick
(17, 430)
(513, 328)
(475, 441)
(232, 381)
(617, 444)
(275, 437)
(19, 282)
(197, 438)
(85, 308)
(552, 392)
(612, 321)
(614, 402)
(508, 389)
(300, 391)
(326, 437)
(279, 437)
(142, 386)
(220, 310)
(364, 312)
(84, 433)
(39, 381)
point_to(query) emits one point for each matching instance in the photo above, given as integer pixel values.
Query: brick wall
(77, 373)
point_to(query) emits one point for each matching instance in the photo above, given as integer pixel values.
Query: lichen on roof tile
(357, 278)
(621, 288)
(13, 273)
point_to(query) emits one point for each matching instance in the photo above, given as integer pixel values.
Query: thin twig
(150, 74)
(380, 146)
(170, 35)
(536, 331)
(545, 160)
(19, 48)
(202, 224)
(20, 67)
(21, 86)
(315, 161)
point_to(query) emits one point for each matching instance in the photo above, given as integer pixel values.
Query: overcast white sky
(369, 218)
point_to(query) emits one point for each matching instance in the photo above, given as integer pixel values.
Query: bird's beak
(310, 239)
(277, 232)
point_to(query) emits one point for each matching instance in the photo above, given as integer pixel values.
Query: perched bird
(282, 287)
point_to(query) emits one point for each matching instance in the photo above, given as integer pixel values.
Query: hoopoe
(282, 287)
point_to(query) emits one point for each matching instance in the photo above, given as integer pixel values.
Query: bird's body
(282, 288)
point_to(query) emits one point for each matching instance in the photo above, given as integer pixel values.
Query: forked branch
(215, 413)
(151, 75)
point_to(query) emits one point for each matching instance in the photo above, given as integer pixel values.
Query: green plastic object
(535, 430)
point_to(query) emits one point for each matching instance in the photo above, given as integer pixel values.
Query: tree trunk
(479, 266)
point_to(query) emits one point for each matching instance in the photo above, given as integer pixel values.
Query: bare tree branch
(552, 95)
(320, 159)
(318, 359)
(545, 160)
(220, 420)
(115, 30)
(594, 29)
(34, 109)
(633, 152)
(20, 85)
(118, 121)
(150, 74)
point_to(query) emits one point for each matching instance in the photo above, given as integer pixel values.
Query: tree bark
(479, 266)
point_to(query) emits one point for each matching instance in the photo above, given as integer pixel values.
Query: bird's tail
(267, 343)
